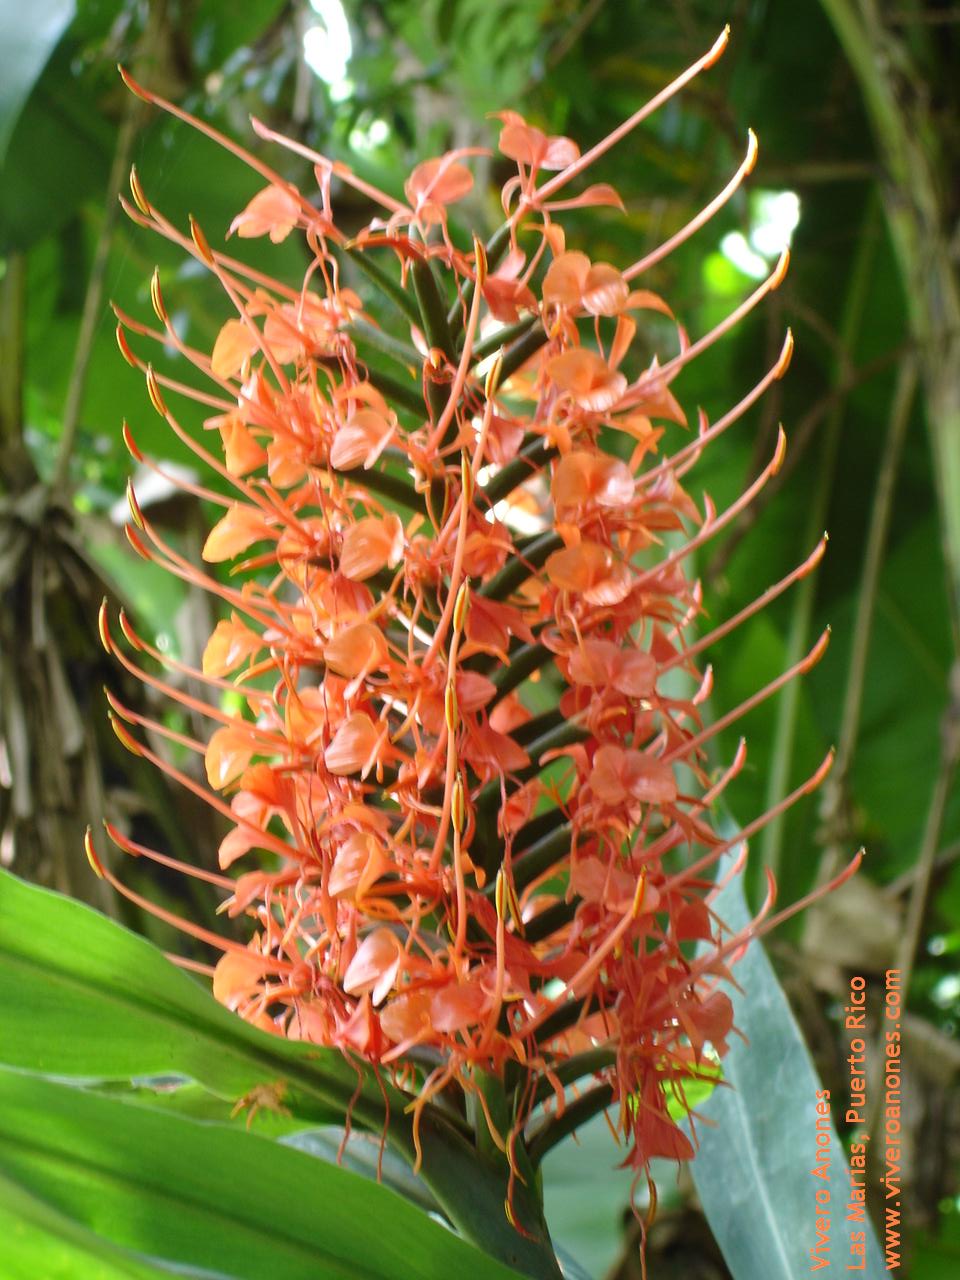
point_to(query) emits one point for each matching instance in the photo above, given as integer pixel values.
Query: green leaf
(26, 43)
(763, 1129)
(37, 1240)
(214, 1197)
(81, 996)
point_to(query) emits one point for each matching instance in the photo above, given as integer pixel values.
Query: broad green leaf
(756, 1152)
(81, 996)
(361, 1152)
(214, 1197)
(39, 1241)
(26, 42)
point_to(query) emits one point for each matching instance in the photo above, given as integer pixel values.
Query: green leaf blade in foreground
(212, 1197)
(752, 1167)
(82, 996)
(38, 1241)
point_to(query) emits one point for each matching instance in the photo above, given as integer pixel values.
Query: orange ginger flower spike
(418, 563)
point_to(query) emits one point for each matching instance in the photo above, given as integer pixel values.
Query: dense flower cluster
(464, 645)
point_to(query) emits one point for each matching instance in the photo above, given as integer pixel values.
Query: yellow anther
(92, 854)
(461, 605)
(156, 297)
(136, 515)
(103, 626)
(457, 803)
(480, 259)
(136, 190)
(200, 240)
(492, 382)
(124, 346)
(638, 895)
(128, 740)
(153, 391)
(450, 709)
(466, 479)
(500, 894)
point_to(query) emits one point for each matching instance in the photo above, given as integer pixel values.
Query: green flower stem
(517, 355)
(400, 395)
(546, 923)
(588, 1063)
(523, 466)
(386, 283)
(385, 342)
(503, 337)
(496, 247)
(516, 571)
(388, 485)
(522, 664)
(575, 1114)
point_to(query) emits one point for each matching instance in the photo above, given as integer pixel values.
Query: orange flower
(453, 739)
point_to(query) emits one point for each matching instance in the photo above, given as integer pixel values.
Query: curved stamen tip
(91, 852)
(132, 447)
(776, 280)
(201, 242)
(124, 346)
(156, 297)
(117, 707)
(132, 85)
(780, 452)
(136, 190)
(818, 650)
(127, 739)
(825, 766)
(718, 48)
(119, 839)
(131, 637)
(786, 355)
(153, 391)
(480, 260)
(753, 150)
(136, 515)
(815, 556)
(103, 625)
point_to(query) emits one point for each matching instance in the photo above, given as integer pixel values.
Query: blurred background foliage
(855, 105)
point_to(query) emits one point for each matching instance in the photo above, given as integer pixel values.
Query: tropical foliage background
(855, 104)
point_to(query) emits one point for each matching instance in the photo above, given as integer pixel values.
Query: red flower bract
(452, 870)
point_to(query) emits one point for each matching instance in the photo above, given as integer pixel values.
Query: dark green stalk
(385, 342)
(517, 355)
(496, 247)
(538, 726)
(388, 486)
(540, 857)
(583, 1064)
(542, 825)
(549, 921)
(383, 280)
(574, 1115)
(566, 1016)
(399, 395)
(503, 337)
(521, 468)
(517, 571)
(433, 318)
(522, 664)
